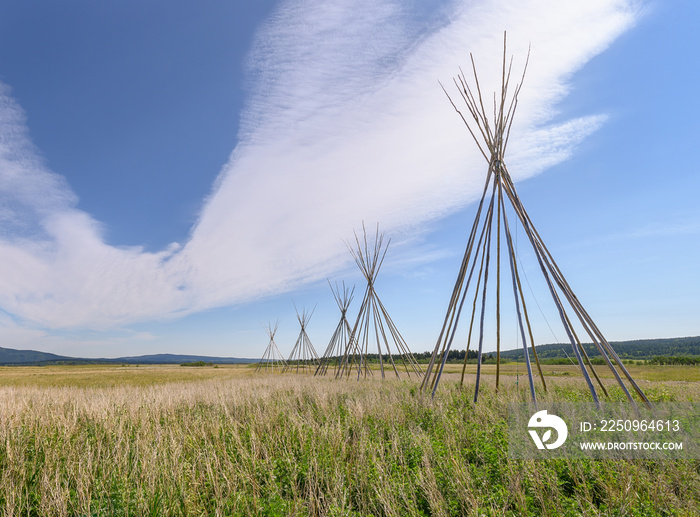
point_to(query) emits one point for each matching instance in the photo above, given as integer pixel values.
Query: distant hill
(12, 357)
(637, 349)
(179, 359)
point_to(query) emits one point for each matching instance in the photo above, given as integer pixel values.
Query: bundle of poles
(272, 360)
(340, 339)
(491, 136)
(374, 326)
(303, 356)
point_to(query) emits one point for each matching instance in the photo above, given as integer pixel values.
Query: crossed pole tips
(272, 358)
(303, 356)
(500, 197)
(374, 328)
(340, 339)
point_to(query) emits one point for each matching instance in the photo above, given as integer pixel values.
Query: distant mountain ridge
(636, 349)
(179, 359)
(13, 357)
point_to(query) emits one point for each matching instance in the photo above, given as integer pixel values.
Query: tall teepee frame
(341, 337)
(272, 359)
(303, 357)
(373, 321)
(491, 136)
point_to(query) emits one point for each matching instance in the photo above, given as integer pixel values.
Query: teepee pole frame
(491, 137)
(374, 325)
(341, 337)
(303, 355)
(272, 357)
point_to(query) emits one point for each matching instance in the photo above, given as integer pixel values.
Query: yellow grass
(105, 376)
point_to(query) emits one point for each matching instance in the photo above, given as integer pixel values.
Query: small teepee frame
(373, 321)
(491, 136)
(303, 356)
(341, 337)
(272, 358)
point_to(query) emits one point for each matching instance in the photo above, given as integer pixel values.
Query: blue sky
(174, 176)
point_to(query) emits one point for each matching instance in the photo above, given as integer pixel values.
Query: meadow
(166, 440)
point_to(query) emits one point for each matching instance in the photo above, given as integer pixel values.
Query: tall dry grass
(298, 445)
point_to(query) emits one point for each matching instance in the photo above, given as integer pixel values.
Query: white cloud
(345, 122)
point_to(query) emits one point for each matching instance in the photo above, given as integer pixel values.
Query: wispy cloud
(688, 226)
(345, 122)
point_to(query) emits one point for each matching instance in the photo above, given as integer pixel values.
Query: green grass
(227, 442)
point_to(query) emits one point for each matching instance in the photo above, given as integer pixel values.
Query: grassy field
(166, 440)
(107, 376)
(681, 373)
